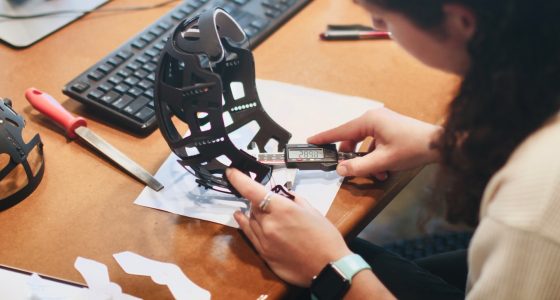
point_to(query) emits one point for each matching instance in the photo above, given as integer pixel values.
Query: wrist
(366, 285)
(335, 279)
(327, 258)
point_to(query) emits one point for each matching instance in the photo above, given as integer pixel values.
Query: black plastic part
(190, 86)
(12, 143)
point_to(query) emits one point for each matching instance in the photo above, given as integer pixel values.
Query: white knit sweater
(515, 251)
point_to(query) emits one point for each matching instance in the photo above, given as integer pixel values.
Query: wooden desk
(84, 206)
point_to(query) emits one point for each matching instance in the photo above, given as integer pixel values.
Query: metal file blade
(76, 127)
(118, 157)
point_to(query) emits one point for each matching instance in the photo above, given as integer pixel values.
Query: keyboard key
(105, 86)
(240, 2)
(274, 5)
(271, 13)
(135, 91)
(151, 104)
(145, 84)
(110, 97)
(144, 114)
(125, 72)
(159, 46)
(124, 54)
(132, 81)
(230, 8)
(115, 61)
(164, 25)
(139, 44)
(133, 66)
(105, 68)
(122, 88)
(143, 59)
(116, 79)
(151, 77)
(122, 102)
(250, 31)
(152, 52)
(157, 31)
(80, 86)
(187, 9)
(178, 15)
(150, 67)
(96, 75)
(148, 37)
(95, 94)
(136, 105)
(141, 73)
(268, 3)
(149, 93)
(260, 23)
(195, 4)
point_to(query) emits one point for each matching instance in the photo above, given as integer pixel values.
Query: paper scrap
(43, 289)
(303, 112)
(162, 273)
(96, 276)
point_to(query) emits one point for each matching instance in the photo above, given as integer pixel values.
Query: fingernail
(228, 171)
(237, 215)
(342, 170)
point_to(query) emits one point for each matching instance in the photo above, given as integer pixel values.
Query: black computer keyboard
(430, 245)
(121, 85)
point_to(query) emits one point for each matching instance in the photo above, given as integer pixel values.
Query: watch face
(329, 284)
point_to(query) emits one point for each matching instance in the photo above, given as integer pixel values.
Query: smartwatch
(336, 277)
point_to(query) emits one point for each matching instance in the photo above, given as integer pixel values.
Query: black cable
(61, 12)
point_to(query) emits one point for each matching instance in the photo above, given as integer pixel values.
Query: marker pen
(332, 35)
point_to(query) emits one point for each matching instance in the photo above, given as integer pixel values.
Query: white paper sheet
(162, 273)
(20, 286)
(96, 277)
(303, 112)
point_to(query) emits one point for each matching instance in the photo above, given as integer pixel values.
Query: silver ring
(265, 201)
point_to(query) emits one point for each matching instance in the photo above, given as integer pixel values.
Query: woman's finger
(244, 224)
(255, 193)
(257, 230)
(350, 131)
(371, 164)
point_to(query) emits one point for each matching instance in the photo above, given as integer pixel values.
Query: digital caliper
(307, 157)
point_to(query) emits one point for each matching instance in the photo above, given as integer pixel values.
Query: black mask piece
(21, 164)
(201, 60)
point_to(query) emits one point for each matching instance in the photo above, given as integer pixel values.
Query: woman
(499, 144)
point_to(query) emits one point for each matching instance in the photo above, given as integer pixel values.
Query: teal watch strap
(335, 279)
(350, 265)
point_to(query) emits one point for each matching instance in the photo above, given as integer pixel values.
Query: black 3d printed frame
(199, 63)
(12, 144)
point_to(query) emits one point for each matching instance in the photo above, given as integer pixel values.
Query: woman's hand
(400, 143)
(292, 237)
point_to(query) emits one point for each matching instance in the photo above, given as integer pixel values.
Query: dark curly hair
(511, 89)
